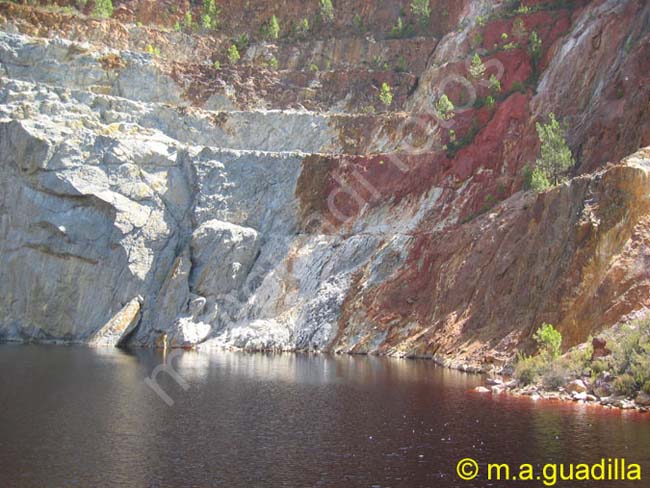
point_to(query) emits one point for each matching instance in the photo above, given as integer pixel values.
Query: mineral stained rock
(150, 200)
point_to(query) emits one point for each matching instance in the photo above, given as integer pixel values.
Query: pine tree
(421, 9)
(327, 11)
(555, 158)
(272, 29)
(495, 84)
(535, 45)
(477, 68)
(444, 108)
(233, 54)
(386, 95)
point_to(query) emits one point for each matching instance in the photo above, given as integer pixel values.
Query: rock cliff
(152, 192)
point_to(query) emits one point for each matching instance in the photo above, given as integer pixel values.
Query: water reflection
(77, 416)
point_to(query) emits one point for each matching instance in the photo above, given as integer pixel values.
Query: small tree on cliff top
(555, 158)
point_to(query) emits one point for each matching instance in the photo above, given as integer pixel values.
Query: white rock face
(108, 202)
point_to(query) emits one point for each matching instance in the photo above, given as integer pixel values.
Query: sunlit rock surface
(252, 208)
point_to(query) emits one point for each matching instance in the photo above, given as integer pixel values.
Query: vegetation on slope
(623, 371)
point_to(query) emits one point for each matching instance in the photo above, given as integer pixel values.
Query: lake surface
(73, 416)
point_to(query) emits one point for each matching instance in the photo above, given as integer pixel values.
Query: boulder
(579, 397)
(222, 255)
(188, 333)
(117, 330)
(602, 387)
(642, 399)
(494, 381)
(576, 386)
(600, 348)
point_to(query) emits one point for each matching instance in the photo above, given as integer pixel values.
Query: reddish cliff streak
(484, 262)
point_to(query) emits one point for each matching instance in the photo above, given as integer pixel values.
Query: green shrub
(400, 30)
(314, 67)
(602, 365)
(494, 83)
(477, 68)
(216, 65)
(210, 17)
(555, 157)
(421, 10)
(273, 62)
(271, 30)
(577, 362)
(456, 145)
(646, 388)
(188, 21)
(519, 30)
(302, 27)
(632, 352)
(103, 8)
(625, 385)
(539, 181)
(326, 11)
(386, 95)
(529, 369)
(535, 45)
(233, 54)
(242, 42)
(555, 376)
(444, 108)
(640, 368)
(489, 101)
(549, 340)
(152, 50)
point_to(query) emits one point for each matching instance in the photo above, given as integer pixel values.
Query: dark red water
(71, 416)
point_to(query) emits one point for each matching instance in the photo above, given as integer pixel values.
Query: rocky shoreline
(579, 391)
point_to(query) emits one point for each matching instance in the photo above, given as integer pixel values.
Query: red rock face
(577, 256)
(477, 288)
(598, 80)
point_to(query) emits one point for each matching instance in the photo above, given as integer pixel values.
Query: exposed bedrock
(152, 201)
